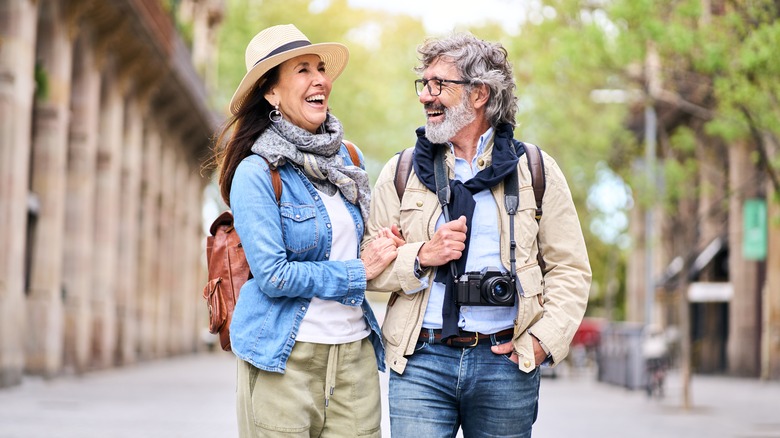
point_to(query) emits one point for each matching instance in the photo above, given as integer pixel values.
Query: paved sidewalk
(576, 405)
(193, 397)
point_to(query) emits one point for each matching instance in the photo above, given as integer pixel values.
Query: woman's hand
(380, 252)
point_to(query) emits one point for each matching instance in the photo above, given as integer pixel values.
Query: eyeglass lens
(434, 86)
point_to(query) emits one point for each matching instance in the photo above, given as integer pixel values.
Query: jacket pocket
(398, 316)
(299, 226)
(527, 226)
(411, 214)
(212, 293)
(531, 304)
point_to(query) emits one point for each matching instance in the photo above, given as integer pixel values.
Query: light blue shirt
(484, 250)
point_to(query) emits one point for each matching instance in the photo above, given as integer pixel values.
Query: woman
(307, 341)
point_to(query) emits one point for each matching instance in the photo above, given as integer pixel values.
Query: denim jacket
(287, 246)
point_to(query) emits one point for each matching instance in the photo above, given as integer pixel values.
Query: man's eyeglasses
(434, 85)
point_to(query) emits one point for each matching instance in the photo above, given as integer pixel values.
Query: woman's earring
(275, 115)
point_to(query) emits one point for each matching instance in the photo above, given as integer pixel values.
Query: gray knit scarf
(317, 155)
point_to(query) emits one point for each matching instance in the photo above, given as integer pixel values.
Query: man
(457, 360)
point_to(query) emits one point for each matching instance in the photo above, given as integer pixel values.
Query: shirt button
(419, 203)
(327, 254)
(297, 216)
(303, 308)
(480, 162)
(353, 301)
(328, 225)
(527, 364)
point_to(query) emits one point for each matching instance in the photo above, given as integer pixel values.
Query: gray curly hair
(480, 62)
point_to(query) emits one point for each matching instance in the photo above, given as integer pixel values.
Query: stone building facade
(104, 128)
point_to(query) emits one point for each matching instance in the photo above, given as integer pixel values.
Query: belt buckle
(451, 342)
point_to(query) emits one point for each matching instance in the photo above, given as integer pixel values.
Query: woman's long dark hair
(246, 125)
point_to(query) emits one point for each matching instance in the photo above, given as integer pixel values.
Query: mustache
(434, 106)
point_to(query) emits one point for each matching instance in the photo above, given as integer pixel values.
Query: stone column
(18, 21)
(149, 253)
(127, 270)
(107, 221)
(179, 233)
(45, 332)
(80, 204)
(744, 314)
(196, 247)
(164, 327)
(771, 292)
(187, 291)
(206, 18)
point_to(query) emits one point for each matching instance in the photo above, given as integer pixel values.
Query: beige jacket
(554, 302)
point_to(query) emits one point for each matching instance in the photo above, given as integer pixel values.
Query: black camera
(488, 287)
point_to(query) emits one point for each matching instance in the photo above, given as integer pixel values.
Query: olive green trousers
(325, 391)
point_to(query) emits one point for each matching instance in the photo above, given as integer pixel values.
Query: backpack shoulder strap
(353, 153)
(276, 181)
(536, 166)
(402, 171)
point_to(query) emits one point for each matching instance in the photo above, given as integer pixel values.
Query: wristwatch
(418, 270)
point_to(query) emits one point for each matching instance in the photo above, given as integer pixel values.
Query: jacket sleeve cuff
(356, 291)
(405, 268)
(550, 338)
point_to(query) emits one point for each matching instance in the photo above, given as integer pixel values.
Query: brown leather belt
(464, 339)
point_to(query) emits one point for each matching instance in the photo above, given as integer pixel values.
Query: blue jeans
(444, 388)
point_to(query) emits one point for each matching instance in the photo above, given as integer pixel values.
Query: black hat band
(284, 48)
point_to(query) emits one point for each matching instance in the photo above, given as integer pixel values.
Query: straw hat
(277, 44)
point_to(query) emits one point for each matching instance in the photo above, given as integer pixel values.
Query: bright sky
(440, 16)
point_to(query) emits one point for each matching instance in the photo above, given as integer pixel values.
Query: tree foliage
(718, 77)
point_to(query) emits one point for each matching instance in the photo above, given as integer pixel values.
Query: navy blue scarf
(504, 161)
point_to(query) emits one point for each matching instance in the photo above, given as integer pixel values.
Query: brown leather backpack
(228, 271)
(227, 265)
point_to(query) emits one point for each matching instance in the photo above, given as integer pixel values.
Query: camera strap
(443, 192)
(511, 202)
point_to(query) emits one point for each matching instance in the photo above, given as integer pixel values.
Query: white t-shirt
(326, 321)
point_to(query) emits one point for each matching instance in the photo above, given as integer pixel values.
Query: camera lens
(498, 291)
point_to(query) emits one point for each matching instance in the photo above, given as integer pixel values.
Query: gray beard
(455, 119)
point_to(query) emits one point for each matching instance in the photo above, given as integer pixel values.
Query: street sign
(754, 237)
